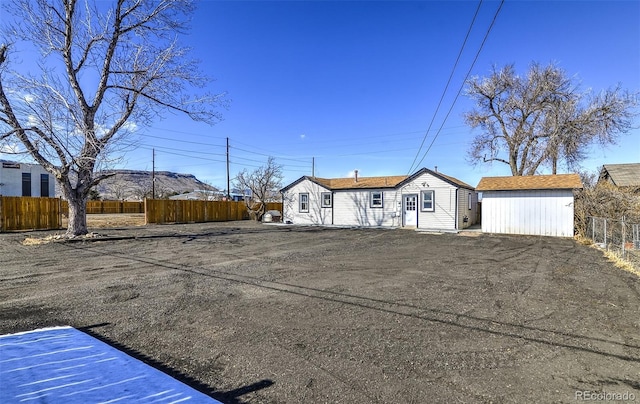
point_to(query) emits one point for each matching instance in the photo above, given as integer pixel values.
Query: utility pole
(313, 167)
(153, 174)
(228, 180)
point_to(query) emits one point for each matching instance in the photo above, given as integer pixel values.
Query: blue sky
(355, 84)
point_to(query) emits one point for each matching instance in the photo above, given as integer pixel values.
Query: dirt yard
(253, 313)
(112, 220)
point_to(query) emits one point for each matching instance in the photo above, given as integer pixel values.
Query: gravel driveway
(253, 313)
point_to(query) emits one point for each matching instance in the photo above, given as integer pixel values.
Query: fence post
(624, 238)
(1, 216)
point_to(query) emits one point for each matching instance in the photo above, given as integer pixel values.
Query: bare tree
(541, 119)
(264, 183)
(142, 189)
(104, 68)
(119, 189)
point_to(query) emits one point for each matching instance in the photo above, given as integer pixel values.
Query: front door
(410, 210)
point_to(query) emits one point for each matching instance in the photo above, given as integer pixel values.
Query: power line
(446, 87)
(463, 82)
(260, 161)
(188, 133)
(267, 155)
(186, 155)
(181, 140)
(171, 149)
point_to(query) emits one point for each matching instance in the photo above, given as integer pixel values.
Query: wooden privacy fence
(27, 213)
(104, 207)
(194, 211)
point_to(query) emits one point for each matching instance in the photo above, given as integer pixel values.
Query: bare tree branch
(71, 125)
(264, 183)
(541, 119)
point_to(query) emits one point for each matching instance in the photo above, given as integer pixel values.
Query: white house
(22, 179)
(424, 200)
(541, 205)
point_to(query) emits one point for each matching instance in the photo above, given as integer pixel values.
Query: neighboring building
(541, 205)
(621, 175)
(208, 195)
(424, 200)
(22, 179)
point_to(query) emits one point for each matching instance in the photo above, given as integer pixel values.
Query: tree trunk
(77, 215)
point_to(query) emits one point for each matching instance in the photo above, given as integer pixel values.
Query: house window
(376, 199)
(326, 199)
(304, 203)
(470, 200)
(26, 184)
(428, 201)
(44, 185)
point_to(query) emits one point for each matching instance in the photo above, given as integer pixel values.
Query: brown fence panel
(100, 207)
(29, 213)
(233, 211)
(275, 206)
(114, 207)
(132, 207)
(170, 211)
(193, 211)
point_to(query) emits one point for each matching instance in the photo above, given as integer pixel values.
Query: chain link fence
(618, 236)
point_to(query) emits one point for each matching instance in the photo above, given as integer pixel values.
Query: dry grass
(55, 237)
(93, 221)
(583, 240)
(42, 240)
(36, 241)
(614, 258)
(112, 220)
(620, 262)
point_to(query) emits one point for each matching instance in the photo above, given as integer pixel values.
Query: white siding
(543, 213)
(353, 208)
(316, 215)
(11, 180)
(463, 208)
(443, 217)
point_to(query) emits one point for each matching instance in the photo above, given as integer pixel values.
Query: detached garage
(540, 205)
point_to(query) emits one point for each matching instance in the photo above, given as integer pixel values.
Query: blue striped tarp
(64, 365)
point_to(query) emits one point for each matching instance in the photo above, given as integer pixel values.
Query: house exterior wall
(446, 198)
(353, 208)
(541, 212)
(467, 207)
(11, 179)
(316, 213)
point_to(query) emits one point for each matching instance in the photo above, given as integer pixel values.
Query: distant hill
(136, 185)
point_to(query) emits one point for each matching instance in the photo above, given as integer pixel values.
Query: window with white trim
(376, 199)
(325, 197)
(470, 200)
(428, 200)
(303, 202)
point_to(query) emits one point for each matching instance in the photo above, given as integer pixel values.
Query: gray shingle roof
(622, 175)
